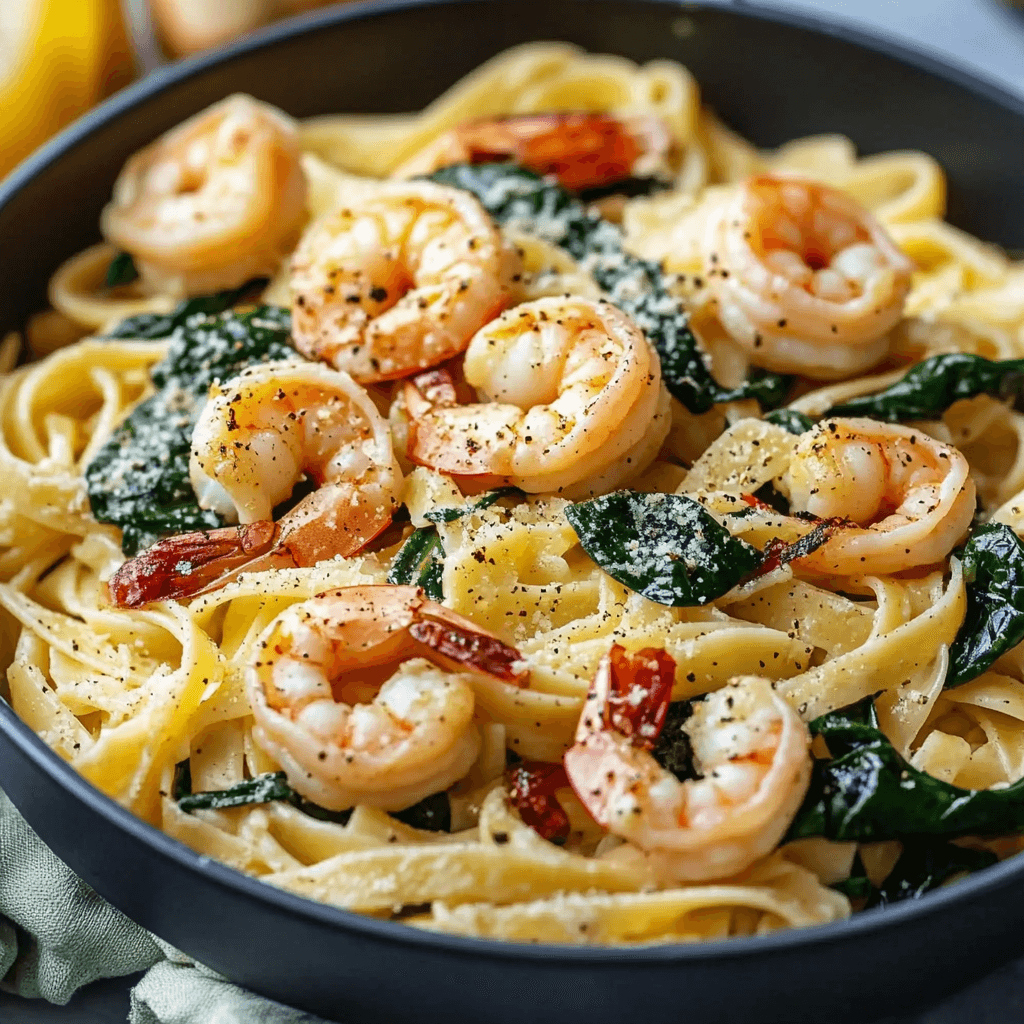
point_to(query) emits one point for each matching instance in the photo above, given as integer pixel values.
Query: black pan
(772, 76)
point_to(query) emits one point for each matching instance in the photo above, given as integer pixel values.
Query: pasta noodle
(131, 696)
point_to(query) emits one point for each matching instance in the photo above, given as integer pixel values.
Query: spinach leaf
(791, 420)
(263, 789)
(933, 385)
(664, 546)
(432, 813)
(139, 479)
(867, 791)
(993, 560)
(924, 866)
(673, 749)
(150, 326)
(420, 563)
(638, 287)
(121, 270)
(453, 512)
(420, 560)
(858, 886)
(181, 785)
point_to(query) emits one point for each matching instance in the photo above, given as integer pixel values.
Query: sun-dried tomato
(641, 691)
(532, 786)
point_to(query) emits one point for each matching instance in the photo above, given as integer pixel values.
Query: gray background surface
(984, 37)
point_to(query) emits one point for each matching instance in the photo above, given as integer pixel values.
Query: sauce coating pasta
(582, 552)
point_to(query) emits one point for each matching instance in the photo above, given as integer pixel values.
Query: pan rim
(32, 747)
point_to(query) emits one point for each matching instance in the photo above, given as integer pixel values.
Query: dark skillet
(771, 76)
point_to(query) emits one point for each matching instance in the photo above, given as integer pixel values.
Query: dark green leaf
(664, 546)
(925, 865)
(139, 479)
(121, 270)
(263, 789)
(182, 784)
(866, 791)
(432, 813)
(673, 749)
(791, 420)
(993, 560)
(858, 886)
(420, 563)
(928, 389)
(151, 326)
(636, 286)
(451, 513)
(431, 580)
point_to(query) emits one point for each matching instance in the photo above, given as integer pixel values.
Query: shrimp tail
(583, 150)
(183, 565)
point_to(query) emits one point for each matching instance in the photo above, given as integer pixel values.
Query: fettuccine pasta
(519, 740)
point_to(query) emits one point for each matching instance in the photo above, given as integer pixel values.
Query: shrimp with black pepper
(400, 281)
(905, 499)
(750, 754)
(258, 435)
(572, 402)
(805, 279)
(215, 202)
(345, 733)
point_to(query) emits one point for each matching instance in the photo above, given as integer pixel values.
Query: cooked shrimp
(750, 751)
(258, 436)
(573, 396)
(582, 150)
(414, 737)
(909, 498)
(400, 282)
(805, 278)
(214, 202)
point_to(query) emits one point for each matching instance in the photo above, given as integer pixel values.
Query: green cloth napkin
(57, 935)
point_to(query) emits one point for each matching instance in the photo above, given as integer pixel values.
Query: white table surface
(984, 37)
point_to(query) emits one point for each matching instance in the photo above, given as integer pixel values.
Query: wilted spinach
(791, 420)
(673, 749)
(420, 560)
(637, 286)
(867, 791)
(664, 546)
(139, 479)
(928, 389)
(152, 326)
(923, 865)
(121, 270)
(993, 560)
(432, 813)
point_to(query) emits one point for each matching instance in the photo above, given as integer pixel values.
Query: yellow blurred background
(60, 57)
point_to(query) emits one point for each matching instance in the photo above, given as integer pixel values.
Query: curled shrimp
(400, 281)
(750, 752)
(258, 435)
(582, 150)
(215, 202)
(573, 397)
(909, 499)
(415, 735)
(805, 278)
